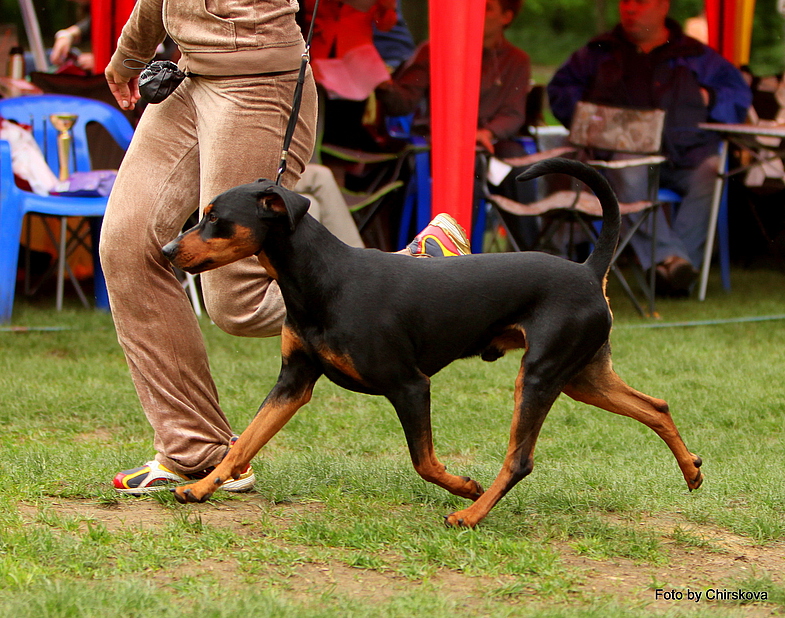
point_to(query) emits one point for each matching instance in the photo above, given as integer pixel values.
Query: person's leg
(241, 125)
(632, 185)
(668, 243)
(330, 208)
(182, 142)
(692, 216)
(157, 188)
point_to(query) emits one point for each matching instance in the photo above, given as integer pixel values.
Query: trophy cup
(63, 123)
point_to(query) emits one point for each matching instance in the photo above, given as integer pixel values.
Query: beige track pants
(211, 134)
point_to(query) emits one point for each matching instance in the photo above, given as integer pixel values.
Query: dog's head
(235, 225)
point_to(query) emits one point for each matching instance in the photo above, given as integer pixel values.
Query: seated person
(64, 47)
(344, 29)
(648, 62)
(328, 207)
(395, 45)
(504, 82)
(504, 85)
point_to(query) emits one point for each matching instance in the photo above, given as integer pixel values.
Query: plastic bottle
(16, 63)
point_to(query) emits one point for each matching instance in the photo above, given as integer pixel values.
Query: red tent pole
(456, 30)
(713, 20)
(109, 17)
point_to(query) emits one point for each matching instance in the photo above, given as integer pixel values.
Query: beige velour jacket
(215, 37)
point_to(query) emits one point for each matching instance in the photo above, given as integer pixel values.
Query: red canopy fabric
(109, 17)
(456, 58)
(730, 28)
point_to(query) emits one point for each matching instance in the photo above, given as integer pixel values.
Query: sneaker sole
(235, 486)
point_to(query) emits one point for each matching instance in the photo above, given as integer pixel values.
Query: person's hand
(124, 90)
(86, 61)
(64, 41)
(705, 96)
(485, 139)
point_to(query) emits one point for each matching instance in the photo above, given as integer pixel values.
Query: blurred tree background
(549, 30)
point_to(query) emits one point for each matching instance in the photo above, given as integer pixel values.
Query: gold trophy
(63, 123)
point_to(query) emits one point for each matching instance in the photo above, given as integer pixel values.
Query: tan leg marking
(520, 443)
(600, 386)
(272, 416)
(342, 362)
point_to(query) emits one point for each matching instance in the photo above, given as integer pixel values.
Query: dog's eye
(212, 218)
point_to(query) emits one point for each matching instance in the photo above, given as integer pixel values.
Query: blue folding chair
(15, 203)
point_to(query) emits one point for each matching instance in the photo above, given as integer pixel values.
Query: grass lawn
(340, 524)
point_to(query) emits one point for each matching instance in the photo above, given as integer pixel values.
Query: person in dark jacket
(504, 81)
(647, 61)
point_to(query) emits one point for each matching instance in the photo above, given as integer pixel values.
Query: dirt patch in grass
(699, 558)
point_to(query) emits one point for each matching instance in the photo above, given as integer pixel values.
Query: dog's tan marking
(290, 342)
(276, 411)
(520, 452)
(265, 262)
(194, 250)
(342, 362)
(600, 386)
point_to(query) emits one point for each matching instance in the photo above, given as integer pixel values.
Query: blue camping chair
(15, 203)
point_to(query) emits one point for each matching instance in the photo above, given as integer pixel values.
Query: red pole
(108, 19)
(456, 30)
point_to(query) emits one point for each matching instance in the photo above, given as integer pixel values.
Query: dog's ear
(276, 199)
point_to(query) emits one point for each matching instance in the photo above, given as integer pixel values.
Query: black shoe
(674, 276)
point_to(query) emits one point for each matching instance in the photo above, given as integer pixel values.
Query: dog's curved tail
(600, 259)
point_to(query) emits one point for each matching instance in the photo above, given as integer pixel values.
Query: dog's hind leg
(412, 402)
(292, 391)
(534, 397)
(599, 385)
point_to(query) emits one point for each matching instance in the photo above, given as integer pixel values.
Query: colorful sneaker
(442, 237)
(154, 476)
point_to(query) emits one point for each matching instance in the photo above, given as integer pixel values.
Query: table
(764, 143)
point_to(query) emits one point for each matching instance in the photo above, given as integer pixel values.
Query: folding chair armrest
(539, 156)
(358, 201)
(358, 156)
(624, 163)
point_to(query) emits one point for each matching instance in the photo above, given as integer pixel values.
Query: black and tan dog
(383, 323)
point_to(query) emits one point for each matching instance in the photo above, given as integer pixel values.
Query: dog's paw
(459, 519)
(189, 493)
(695, 480)
(472, 489)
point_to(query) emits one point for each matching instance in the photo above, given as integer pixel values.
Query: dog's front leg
(292, 391)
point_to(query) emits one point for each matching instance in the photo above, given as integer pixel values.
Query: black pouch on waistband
(158, 80)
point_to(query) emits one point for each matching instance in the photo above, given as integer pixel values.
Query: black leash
(298, 95)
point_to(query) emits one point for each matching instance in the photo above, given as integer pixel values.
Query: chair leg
(28, 240)
(190, 285)
(653, 262)
(724, 240)
(715, 208)
(61, 259)
(99, 282)
(10, 233)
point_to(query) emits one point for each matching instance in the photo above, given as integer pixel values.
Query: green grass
(340, 524)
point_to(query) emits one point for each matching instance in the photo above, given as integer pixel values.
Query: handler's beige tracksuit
(219, 129)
